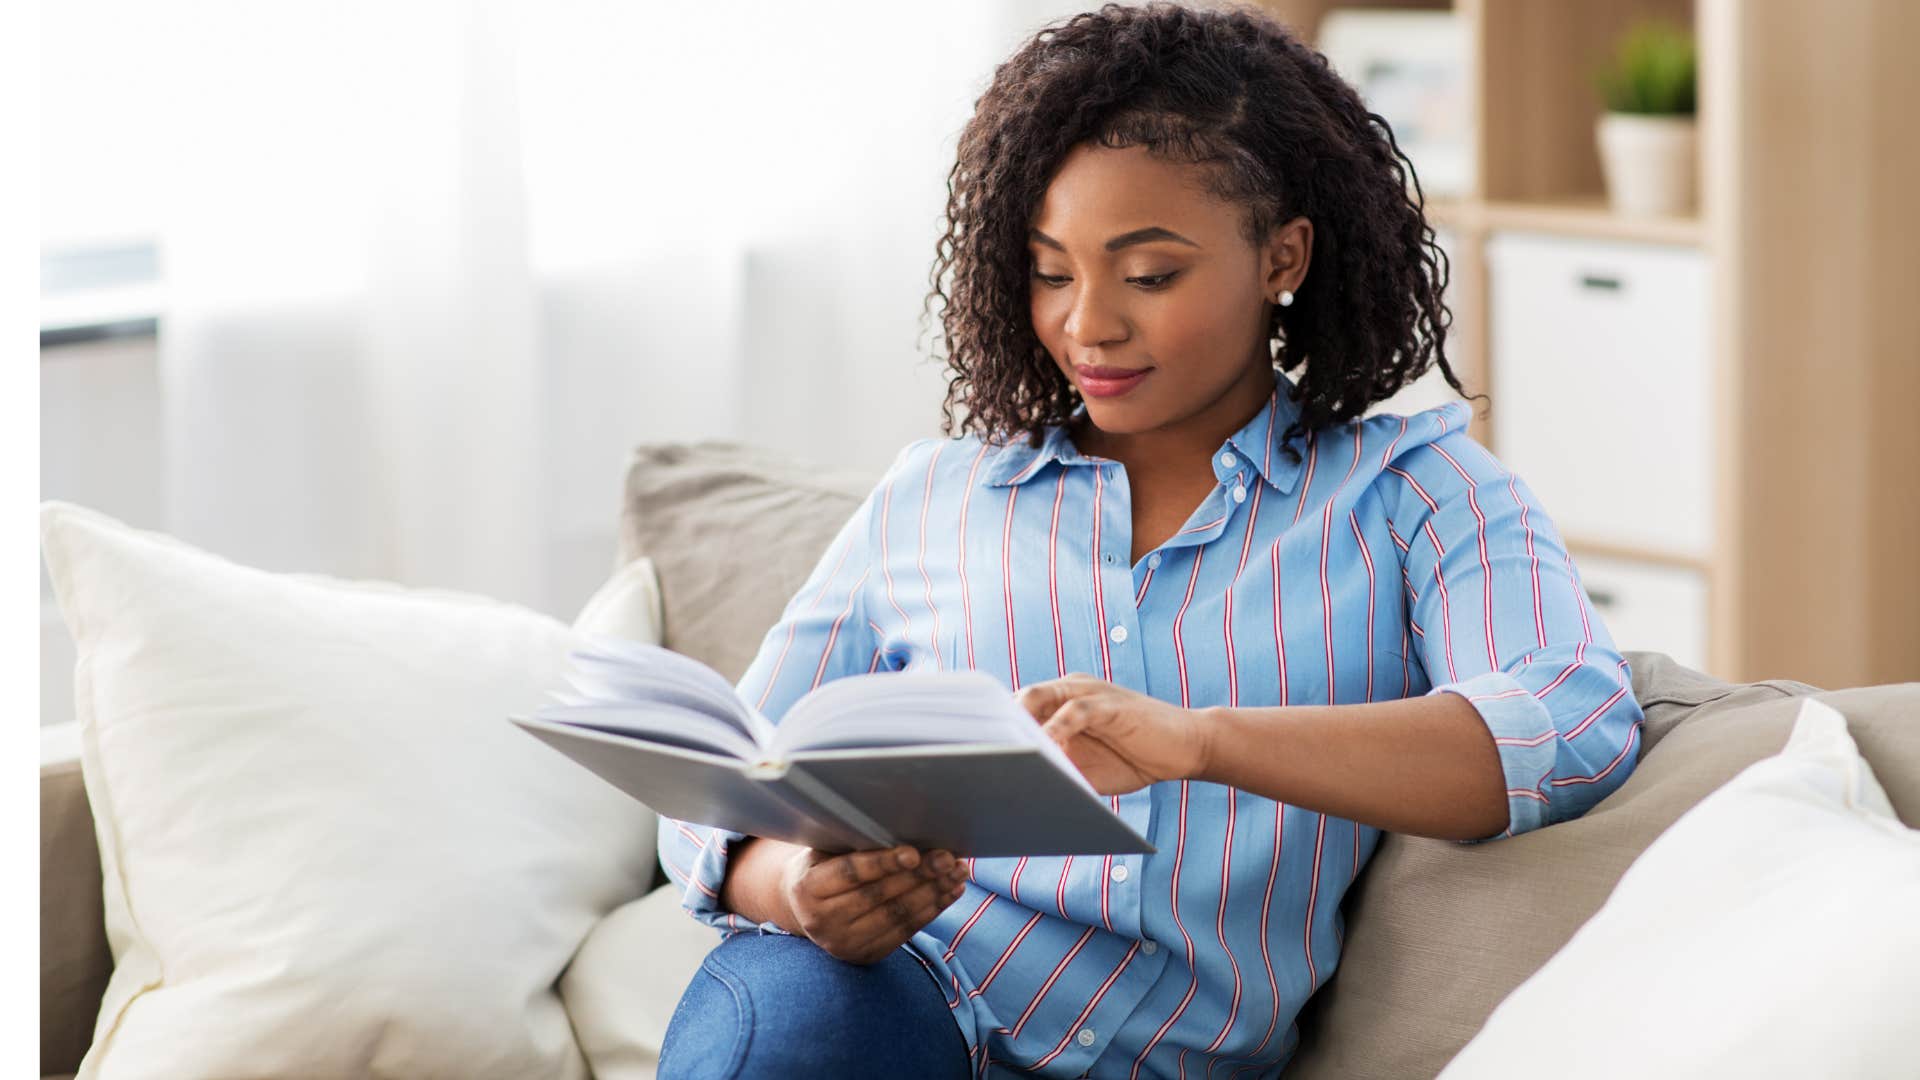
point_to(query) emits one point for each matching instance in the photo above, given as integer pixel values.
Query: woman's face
(1147, 296)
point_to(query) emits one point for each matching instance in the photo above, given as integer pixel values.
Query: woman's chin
(1123, 417)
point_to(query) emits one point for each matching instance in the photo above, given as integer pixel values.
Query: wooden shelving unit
(1586, 216)
(1811, 238)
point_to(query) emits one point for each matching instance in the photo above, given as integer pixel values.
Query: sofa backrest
(1438, 933)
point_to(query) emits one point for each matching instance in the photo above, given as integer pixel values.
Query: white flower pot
(1648, 162)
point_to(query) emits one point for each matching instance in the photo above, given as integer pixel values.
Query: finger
(834, 923)
(901, 916)
(937, 863)
(1069, 719)
(837, 874)
(844, 908)
(1043, 699)
(1038, 699)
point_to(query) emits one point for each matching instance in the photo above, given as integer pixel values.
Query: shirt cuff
(701, 896)
(1524, 735)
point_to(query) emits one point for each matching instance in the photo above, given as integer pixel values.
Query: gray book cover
(982, 800)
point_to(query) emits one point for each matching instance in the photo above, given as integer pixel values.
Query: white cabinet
(1648, 606)
(1601, 396)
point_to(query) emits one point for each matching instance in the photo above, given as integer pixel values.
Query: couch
(1431, 946)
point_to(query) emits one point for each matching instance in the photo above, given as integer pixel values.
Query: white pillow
(623, 984)
(625, 981)
(326, 851)
(627, 606)
(1769, 932)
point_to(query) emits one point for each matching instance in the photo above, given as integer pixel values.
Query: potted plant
(1647, 134)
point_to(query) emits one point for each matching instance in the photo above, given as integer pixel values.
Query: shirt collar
(1256, 446)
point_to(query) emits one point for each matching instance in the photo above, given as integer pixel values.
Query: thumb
(1042, 698)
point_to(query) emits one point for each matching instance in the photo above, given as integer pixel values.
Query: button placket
(1123, 539)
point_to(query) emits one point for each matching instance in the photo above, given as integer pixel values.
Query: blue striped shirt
(1396, 557)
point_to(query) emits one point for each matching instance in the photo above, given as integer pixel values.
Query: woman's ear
(1288, 252)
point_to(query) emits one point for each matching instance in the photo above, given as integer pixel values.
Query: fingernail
(908, 857)
(942, 861)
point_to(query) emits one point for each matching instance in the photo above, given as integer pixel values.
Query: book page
(631, 670)
(892, 709)
(655, 723)
(648, 692)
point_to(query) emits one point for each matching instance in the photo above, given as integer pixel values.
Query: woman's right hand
(861, 906)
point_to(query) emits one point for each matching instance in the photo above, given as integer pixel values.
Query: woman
(1266, 625)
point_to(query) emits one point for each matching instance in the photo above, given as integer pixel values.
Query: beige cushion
(732, 531)
(1439, 933)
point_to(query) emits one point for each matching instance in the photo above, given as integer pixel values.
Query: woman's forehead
(1099, 193)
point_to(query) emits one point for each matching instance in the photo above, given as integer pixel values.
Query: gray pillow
(733, 531)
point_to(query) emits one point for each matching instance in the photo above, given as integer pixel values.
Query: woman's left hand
(1120, 740)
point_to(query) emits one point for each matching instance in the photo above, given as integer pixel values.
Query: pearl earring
(1285, 298)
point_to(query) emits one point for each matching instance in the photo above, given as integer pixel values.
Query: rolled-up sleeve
(822, 634)
(1500, 618)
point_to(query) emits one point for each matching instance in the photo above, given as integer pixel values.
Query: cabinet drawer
(1649, 606)
(1601, 393)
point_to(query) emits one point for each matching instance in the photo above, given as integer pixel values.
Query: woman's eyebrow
(1137, 236)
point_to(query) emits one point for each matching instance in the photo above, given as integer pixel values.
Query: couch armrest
(74, 959)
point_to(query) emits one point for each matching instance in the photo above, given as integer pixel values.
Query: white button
(1239, 494)
(1149, 947)
(1229, 460)
(1119, 872)
(1153, 561)
(1086, 1036)
(1118, 633)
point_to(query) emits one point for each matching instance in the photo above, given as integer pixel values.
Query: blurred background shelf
(1586, 216)
(1714, 407)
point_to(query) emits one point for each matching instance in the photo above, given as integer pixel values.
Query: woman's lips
(1109, 381)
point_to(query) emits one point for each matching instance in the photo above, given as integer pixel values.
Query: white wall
(100, 445)
(786, 312)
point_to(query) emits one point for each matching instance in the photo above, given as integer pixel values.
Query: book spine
(838, 808)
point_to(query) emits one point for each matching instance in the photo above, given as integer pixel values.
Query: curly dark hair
(1279, 133)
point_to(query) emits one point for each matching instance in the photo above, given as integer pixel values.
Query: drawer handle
(1600, 281)
(1602, 598)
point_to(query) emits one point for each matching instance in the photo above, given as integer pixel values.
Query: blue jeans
(777, 1005)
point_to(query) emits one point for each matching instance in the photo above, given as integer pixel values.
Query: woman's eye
(1154, 281)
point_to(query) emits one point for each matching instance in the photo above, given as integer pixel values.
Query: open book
(934, 759)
